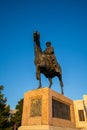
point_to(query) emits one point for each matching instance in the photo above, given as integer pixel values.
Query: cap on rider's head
(48, 43)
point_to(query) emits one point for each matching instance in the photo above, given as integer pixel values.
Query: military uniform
(49, 52)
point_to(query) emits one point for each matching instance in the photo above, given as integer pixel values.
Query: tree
(4, 110)
(17, 117)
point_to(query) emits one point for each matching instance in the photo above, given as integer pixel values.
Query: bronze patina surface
(46, 62)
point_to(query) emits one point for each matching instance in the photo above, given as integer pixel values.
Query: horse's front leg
(40, 83)
(38, 76)
(50, 80)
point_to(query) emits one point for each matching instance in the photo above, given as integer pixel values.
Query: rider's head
(48, 44)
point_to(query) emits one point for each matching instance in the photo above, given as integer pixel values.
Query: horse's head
(36, 36)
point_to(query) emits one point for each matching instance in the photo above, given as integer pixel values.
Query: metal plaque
(60, 110)
(36, 106)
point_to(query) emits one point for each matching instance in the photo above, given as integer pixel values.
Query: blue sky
(64, 23)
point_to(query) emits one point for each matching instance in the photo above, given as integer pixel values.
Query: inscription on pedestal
(60, 110)
(36, 106)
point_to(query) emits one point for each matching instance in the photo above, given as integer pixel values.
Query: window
(81, 115)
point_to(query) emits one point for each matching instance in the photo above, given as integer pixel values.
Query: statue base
(44, 127)
(45, 109)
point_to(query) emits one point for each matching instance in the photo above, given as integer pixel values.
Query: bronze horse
(45, 66)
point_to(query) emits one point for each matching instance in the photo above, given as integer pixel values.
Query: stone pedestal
(45, 109)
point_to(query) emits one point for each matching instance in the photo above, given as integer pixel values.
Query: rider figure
(49, 51)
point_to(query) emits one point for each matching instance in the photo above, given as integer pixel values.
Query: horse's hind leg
(62, 90)
(50, 80)
(61, 84)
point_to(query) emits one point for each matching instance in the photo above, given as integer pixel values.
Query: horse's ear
(38, 35)
(34, 35)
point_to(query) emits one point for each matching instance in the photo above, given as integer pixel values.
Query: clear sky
(64, 23)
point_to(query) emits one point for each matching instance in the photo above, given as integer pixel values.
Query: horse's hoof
(62, 93)
(39, 87)
(49, 86)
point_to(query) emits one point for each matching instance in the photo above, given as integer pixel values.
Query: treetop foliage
(4, 110)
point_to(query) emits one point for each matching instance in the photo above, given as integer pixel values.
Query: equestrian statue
(45, 62)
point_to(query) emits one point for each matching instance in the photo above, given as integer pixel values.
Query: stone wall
(80, 109)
